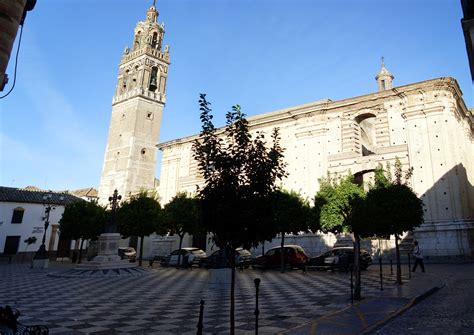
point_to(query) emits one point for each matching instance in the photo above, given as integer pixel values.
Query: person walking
(418, 258)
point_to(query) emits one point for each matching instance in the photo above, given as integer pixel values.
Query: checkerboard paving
(166, 300)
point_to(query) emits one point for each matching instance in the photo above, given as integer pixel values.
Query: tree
(182, 216)
(140, 216)
(240, 173)
(392, 208)
(82, 220)
(290, 214)
(336, 206)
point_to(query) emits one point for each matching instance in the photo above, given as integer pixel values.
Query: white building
(22, 215)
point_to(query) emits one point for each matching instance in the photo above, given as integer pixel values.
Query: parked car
(340, 258)
(127, 253)
(243, 258)
(189, 256)
(294, 257)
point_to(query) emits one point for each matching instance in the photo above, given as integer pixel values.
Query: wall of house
(31, 225)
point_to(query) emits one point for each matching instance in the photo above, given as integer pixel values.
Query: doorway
(12, 243)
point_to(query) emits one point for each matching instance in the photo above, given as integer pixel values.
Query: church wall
(425, 126)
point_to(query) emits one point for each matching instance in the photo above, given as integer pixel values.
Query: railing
(139, 91)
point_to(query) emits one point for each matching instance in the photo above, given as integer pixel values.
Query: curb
(402, 310)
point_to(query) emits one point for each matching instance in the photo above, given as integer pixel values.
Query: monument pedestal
(41, 258)
(108, 257)
(42, 263)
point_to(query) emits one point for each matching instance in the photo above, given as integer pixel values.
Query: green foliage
(336, 203)
(182, 215)
(393, 209)
(290, 212)
(391, 206)
(140, 216)
(82, 220)
(240, 173)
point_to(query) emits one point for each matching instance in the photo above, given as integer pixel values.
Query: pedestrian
(418, 257)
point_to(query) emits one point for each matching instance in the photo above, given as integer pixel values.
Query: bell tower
(137, 106)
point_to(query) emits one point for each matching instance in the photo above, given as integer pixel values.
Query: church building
(426, 125)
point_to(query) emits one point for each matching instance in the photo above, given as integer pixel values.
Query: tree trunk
(179, 253)
(282, 252)
(141, 251)
(399, 268)
(263, 248)
(357, 288)
(80, 252)
(232, 291)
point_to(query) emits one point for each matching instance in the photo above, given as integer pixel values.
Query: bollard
(257, 312)
(391, 267)
(409, 266)
(381, 276)
(352, 285)
(201, 312)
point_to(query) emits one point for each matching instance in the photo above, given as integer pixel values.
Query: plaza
(166, 300)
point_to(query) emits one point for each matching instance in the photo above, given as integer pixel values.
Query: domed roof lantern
(384, 78)
(152, 13)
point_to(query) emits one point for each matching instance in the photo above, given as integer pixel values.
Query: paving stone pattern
(166, 300)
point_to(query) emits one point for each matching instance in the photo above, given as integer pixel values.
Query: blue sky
(264, 55)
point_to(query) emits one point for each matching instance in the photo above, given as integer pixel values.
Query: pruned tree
(240, 172)
(391, 207)
(336, 205)
(182, 216)
(290, 215)
(82, 220)
(140, 216)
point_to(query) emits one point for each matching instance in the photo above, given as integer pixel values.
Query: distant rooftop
(89, 192)
(32, 194)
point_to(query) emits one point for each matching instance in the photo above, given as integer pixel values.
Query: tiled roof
(11, 194)
(89, 192)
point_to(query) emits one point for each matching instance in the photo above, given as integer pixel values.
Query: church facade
(425, 125)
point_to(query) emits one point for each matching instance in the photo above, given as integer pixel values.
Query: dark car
(294, 257)
(340, 258)
(189, 256)
(243, 258)
(127, 253)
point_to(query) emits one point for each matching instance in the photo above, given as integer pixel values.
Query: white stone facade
(426, 125)
(22, 215)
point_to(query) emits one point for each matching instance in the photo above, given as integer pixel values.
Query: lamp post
(41, 258)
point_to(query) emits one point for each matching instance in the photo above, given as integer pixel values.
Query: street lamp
(41, 257)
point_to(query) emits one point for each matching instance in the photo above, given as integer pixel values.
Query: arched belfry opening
(366, 123)
(154, 40)
(153, 79)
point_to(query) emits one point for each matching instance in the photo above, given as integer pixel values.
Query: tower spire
(384, 77)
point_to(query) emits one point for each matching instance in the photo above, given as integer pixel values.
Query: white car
(189, 256)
